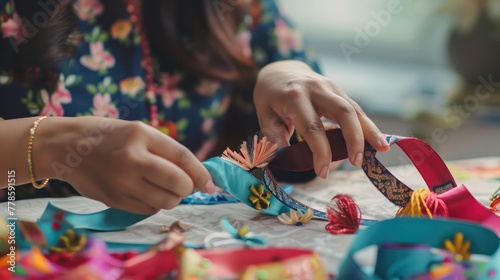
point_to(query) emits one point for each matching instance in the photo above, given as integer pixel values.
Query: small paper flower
(259, 197)
(70, 242)
(254, 153)
(176, 226)
(460, 248)
(296, 218)
(243, 232)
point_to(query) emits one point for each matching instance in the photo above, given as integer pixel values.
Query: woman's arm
(126, 165)
(290, 95)
(13, 151)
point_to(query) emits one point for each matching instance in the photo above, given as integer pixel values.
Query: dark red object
(344, 215)
(66, 260)
(124, 256)
(56, 226)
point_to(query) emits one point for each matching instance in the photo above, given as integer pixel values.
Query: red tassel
(424, 203)
(343, 214)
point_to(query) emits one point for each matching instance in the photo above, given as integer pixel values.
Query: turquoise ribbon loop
(106, 220)
(419, 231)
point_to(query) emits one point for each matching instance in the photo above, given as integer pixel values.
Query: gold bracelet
(30, 161)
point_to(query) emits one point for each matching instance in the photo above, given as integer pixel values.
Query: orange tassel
(424, 203)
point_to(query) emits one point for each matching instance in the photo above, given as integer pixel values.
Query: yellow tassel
(416, 205)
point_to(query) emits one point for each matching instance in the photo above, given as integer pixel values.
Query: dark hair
(36, 62)
(196, 37)
(189, 35)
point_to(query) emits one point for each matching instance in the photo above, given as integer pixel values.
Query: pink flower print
(99, 58)
(53, 102)
(226, 101)
(103, 106)
(88, 9)
(287, 39)
(169, 90)
(243, 39)
(205, 149)
(207, 87)
(11, 27)
(207, 125)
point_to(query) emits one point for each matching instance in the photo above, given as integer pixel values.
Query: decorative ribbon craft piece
(344, 215)
(420, 248)
(444, 199)
(238, 182)
(265, 263)
(233, 172)
(78, 256)
(296, 218)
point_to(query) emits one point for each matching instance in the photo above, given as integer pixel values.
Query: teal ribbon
(237, 181)
(417, 231)
(248, 240)
(106, 220)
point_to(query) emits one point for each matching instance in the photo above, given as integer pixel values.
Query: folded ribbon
(460, 203)
(296, 162)
(404, 249)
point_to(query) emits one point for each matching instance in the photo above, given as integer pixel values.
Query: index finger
(338, 109)
(181, 156)
(307, 122)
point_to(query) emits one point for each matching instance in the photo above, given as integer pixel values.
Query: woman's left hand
(289, 95)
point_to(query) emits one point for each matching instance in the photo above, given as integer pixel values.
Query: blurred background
(429, 69)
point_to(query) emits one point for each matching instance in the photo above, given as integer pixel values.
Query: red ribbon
(343, 214)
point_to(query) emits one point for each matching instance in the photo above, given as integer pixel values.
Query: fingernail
(358, 160)
(210, 187)
(324, 172)
(382, 142)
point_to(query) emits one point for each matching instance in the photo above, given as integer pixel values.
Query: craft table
(481, 176)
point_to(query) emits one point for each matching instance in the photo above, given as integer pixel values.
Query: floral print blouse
(105, 78)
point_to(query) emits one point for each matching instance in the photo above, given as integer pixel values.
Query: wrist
(48, 147)
(287, 65)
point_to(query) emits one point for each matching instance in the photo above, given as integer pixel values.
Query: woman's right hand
(125, 165)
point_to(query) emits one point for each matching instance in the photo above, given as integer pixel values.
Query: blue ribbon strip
(417, 231)
(106, 220)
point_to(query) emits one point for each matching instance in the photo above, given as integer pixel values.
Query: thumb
(275, 129)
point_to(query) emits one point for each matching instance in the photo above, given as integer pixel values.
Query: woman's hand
(289, 95)
(126, 165)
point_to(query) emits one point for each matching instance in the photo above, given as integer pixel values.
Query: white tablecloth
(478, 175)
